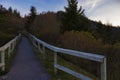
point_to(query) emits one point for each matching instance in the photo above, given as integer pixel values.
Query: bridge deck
(26, 65)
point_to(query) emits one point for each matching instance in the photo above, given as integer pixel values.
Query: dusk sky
(107, 11)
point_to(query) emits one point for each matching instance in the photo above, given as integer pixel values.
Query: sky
(107, 11)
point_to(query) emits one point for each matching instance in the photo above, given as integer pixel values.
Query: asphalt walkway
(26, 65)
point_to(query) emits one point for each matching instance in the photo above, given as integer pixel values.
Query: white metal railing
(10, 46)
(41, 45)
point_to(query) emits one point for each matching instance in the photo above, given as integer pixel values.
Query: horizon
(106, 11)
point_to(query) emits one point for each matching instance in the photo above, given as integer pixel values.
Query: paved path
(26, 65)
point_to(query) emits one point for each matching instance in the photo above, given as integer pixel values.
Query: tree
(33, 13)
(10, 9)
(30, 19)
(1, 7)
(71, 20)
(16, 13)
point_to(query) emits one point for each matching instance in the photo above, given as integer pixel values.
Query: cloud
(95, 3)
(107, 12)
(104, 10)
(89, 5)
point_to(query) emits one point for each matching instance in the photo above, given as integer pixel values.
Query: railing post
(15, 42)
(31, 39)
(39, 48)
(43, 51)
(103, 70)
(37, 45)
(34, 43)
(3, 59)
(55, 62)
(12, 44)
(9, 50)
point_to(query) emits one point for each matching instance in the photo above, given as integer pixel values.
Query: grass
(49, 66)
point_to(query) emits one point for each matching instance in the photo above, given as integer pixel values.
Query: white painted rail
(41, 45)
(10, 46)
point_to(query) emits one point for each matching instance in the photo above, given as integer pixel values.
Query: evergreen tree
(10, 9)
(71, 20)
(33, 13)
(30, 19)
(1, 8)
(15, 12)
(18, 14)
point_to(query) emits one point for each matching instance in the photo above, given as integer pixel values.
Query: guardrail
(41, 45)
(10, 46)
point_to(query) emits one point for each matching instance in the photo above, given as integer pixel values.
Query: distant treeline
(10, 24)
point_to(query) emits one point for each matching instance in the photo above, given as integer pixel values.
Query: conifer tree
(70, 21)
(1, 8)
(30, 19)
(10, 9)
(33, 13)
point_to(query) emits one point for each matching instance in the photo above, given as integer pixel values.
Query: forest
(70, 29)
